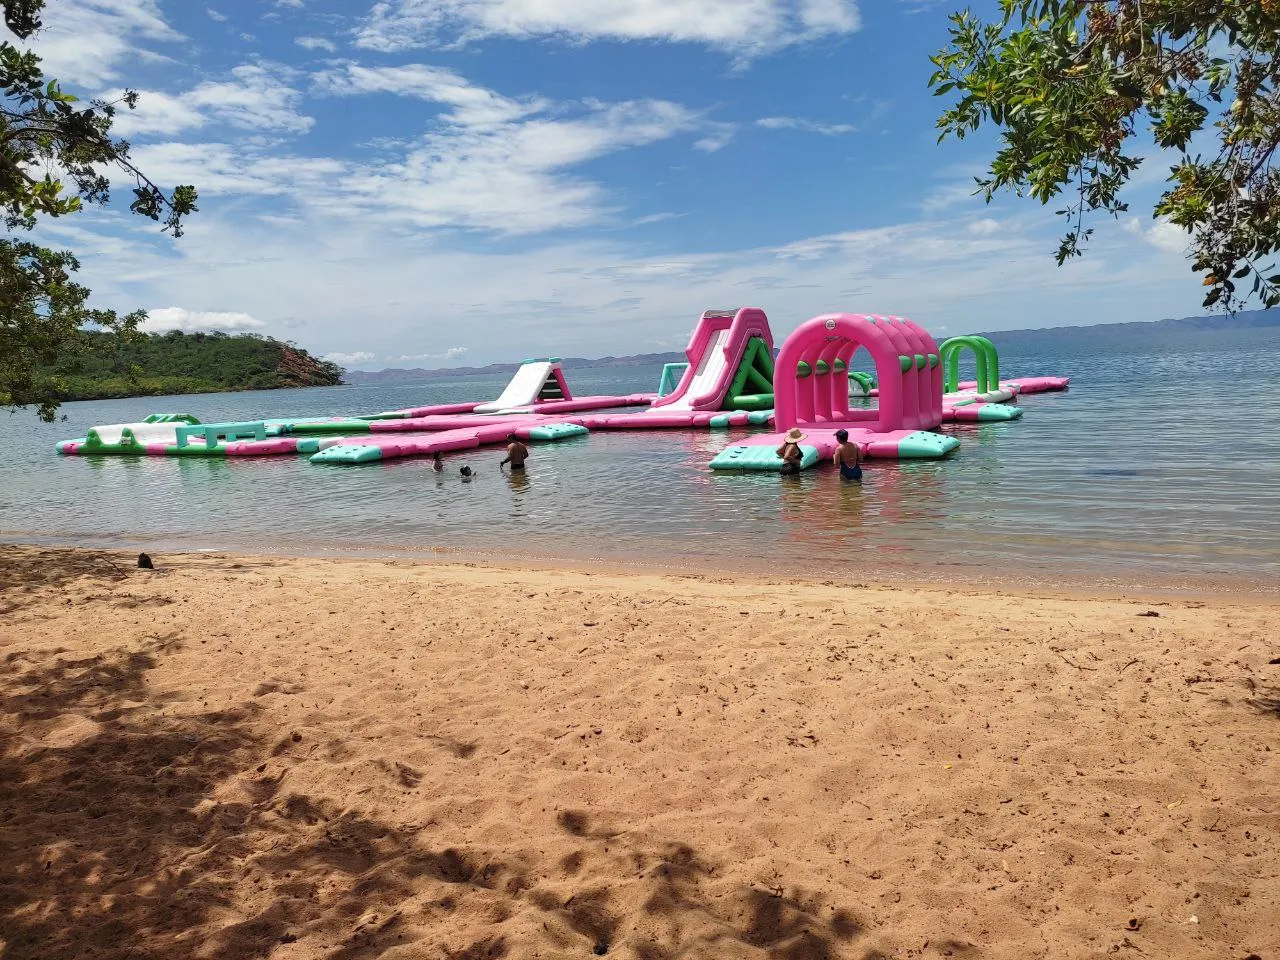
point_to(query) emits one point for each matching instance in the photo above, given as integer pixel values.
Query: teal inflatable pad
(557, 431)
(997, 413)
(922, 444)
(759, 457)
(759, 417)
(348, 453)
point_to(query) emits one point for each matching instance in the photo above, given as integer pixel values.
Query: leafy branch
(1069, 84)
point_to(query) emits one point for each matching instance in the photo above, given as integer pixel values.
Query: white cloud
(807, 126)
(222, 168)
(744, 26)
(1161, 234)
(215, 15)
(349, 359)
(720, 135)
(316, 43)
(949, 196)
(307, 277)
(295, 4)
(985, 227)
(256, 96)
(156, 112)
(473, 106)
(84, 41)
(453, 353)
(179, 318)
(490, 161)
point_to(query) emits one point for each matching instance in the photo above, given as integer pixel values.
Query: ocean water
(1159, 468)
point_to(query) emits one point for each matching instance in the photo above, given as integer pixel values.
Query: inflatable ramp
(719, 363)
(537, 381)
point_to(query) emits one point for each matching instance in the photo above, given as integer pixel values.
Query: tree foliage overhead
(55, 156)
(1072, 84)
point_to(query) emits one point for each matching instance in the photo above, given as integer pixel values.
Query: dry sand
(231, 758)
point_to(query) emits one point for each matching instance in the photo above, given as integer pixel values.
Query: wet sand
(242, 757)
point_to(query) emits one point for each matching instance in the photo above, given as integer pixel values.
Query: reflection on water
(1163, 460)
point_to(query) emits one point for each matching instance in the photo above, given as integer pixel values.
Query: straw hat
(795, 435)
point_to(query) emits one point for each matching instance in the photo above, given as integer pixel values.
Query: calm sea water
(1160, 467)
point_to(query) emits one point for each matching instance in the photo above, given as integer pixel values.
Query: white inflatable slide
(536, 380)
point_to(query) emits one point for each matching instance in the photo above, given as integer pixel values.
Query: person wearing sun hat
(790, 452)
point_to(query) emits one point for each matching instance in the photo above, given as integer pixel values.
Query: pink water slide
(715, 352)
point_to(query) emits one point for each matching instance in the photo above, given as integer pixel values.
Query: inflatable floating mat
(742, 418)
(760, 457)
(557, 431)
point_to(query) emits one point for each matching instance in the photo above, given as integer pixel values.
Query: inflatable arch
(811, 378)
(984, 352)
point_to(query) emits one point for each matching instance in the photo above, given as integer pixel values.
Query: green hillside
(98, 366)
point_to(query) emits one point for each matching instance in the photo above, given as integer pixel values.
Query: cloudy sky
(435, 182)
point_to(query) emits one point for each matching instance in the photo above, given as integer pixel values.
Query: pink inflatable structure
(715, 351)
(811, 391)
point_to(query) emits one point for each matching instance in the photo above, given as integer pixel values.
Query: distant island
(1246, 319)
(98, 367)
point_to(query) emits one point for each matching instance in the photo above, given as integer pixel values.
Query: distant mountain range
(1245, 320)
(395, 374)
(1240, 321)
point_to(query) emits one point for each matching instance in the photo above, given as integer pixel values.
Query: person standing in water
(790, 452)
(437, 462)
(517, 453)
(848, 457)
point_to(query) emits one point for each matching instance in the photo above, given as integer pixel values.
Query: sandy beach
(232, 757)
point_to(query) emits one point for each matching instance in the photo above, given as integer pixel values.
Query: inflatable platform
(730, 379)
(811, 389)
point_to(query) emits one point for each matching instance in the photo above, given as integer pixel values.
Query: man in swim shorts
(848, 457)
(517, 453)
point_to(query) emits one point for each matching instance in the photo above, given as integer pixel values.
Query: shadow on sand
(136, 826)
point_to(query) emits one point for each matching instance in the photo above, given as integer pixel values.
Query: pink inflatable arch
(907, 369)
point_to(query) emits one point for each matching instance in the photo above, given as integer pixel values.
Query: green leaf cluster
(55, 156)
(1070, 84)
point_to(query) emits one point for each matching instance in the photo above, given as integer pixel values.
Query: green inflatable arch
(984, 351)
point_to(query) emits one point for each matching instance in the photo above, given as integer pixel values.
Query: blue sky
(435, 182)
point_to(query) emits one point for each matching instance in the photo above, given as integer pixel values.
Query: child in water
(437, 462)
(848, 457)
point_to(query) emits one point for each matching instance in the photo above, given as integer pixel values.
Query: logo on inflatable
(830, 324)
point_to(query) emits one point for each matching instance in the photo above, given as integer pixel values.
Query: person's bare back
(517, 453)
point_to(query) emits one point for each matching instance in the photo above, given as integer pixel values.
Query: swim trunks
(850, 473)
(517, 466)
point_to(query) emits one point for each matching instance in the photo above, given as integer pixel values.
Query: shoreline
(939, 576)
(310, 758)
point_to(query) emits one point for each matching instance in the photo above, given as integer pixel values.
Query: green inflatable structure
(984, 352)
(752, 387)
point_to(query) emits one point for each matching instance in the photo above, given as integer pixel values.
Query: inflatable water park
(733, 378)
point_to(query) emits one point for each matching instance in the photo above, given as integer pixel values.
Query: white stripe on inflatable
(712, 369)
(112, 433)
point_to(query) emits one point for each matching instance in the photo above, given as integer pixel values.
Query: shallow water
(1161, 466)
